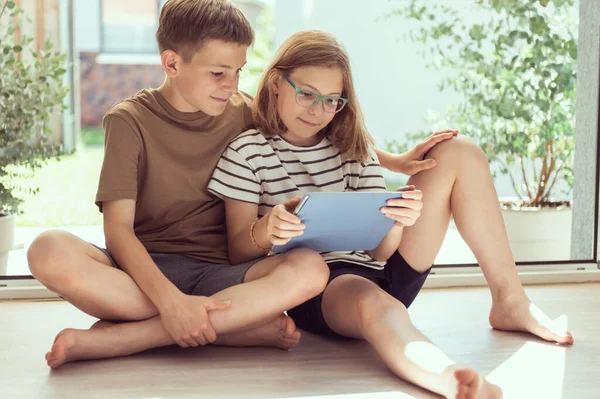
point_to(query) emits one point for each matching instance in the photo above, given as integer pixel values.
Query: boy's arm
(184, 317)
(116, 198)
(131, 255)
(413, 161)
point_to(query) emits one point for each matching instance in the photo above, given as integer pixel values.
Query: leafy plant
(517, 74)
(31, 91)
(261, 52)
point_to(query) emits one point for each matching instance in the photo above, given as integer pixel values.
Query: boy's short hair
(184, 25)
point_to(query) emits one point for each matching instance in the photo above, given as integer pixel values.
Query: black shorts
(397, 279)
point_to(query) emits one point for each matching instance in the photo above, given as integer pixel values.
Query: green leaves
(477, 33)
(538, 25)
(31, 92)
(516, 72)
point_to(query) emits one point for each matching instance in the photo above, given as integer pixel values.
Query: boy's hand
(413, 161)
(186, 319)
(406, 210)
(282, 224)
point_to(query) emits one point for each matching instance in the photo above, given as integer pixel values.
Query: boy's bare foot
(518, 313)
(100, 342)
(280, 333)
(101, 324)
(61, 351)
(64, 349)
(466, 383)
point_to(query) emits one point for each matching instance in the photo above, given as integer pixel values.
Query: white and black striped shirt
(267, 170)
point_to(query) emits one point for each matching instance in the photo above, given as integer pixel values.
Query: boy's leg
(254, 318)
(83, 275)
(355, 307)
(107, 340)
(461, 184)
(80, 273)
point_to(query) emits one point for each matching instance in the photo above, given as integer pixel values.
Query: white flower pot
(7, 240)
(539, 234)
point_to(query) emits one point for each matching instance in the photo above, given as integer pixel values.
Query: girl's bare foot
(466, 383)
(518, 313)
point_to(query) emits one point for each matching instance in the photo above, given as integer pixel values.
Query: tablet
(342, 221)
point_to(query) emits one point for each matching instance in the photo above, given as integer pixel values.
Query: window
(129, 26)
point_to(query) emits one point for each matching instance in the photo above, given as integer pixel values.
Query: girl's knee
(376, 304)
(459, 147)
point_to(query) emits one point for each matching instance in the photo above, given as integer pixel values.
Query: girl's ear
(276, 84)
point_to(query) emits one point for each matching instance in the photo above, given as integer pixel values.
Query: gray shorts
(195, 277)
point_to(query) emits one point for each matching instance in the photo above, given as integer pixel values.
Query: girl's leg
(255, 316)
(461, 185)
(356, 307)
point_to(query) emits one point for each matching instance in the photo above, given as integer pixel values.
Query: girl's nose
(316, 110)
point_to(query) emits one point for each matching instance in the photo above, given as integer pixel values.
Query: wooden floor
(455, 319)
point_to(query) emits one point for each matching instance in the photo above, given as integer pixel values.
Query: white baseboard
(529, 275)
(440, 278)
(24, 289)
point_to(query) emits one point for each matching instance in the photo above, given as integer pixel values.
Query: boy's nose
(230, 85)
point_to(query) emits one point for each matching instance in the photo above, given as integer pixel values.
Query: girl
(311, 137)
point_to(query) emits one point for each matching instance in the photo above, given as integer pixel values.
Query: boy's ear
(170, 61)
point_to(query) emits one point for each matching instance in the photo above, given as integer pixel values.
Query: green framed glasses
(308, 98)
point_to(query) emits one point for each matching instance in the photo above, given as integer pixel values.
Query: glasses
(308, 98)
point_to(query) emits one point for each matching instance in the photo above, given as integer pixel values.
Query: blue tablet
(342, 221)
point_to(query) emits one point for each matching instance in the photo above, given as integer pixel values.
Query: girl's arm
(388, 245)
(371, 179)
(405, 211)
(240, 215)
(277, 227)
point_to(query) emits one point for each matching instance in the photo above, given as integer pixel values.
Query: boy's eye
(217, 74)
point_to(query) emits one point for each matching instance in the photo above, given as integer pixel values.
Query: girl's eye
(306, 94)
(217, 74)
(333, 101)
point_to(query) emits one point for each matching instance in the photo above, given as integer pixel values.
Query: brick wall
(103, 85)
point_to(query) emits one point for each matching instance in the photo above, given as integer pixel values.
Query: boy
(165, 235)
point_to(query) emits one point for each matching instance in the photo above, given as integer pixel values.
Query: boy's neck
(173, 97)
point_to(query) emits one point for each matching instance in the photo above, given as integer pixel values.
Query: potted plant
(31, 91)
(516, 72)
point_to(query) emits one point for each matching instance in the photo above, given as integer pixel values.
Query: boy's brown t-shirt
(163, 159)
